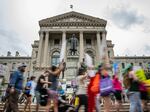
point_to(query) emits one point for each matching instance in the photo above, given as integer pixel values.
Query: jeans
(135, 102)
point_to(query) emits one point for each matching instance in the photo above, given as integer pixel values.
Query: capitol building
(82, 34)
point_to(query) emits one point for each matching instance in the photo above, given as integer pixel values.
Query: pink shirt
(117, 84)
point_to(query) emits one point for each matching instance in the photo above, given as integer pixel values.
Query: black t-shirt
(54, 79)
(134, 86)
(39, 84)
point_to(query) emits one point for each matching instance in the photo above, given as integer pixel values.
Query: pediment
(72, 19)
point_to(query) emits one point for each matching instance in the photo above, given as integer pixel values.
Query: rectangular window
(109, 54)
(140, 64)
(36, 54)
(56, 41)
(123, 65)
(132, 64)
(13, 66)
(4, 63)
(88, 42)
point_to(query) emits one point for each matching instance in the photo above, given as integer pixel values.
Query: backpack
(43, 97)
(106, 86)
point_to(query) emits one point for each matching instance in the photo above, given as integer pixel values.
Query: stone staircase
(124, 108)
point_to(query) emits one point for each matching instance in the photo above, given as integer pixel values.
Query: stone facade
(12, 62)
(90, 33)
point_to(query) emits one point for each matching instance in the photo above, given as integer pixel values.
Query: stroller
(63, 105)
(43, 97)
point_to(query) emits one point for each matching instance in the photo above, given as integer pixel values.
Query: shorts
(118, 95)
(37, 95)
(143, 95)
(28, 95)
(52, 94)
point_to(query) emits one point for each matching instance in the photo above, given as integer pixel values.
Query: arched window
(55, 58)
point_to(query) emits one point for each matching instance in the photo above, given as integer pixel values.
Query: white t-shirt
(82, 88)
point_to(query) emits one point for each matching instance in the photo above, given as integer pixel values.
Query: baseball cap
(126, 68)
(22, 65)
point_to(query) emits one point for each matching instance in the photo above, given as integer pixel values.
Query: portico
(89, 31)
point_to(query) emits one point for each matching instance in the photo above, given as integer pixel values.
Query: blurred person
(93, 88)
(97, 102)
(52, 89)
(144, 96)
(118, 91)
(40, 85)
(132, 85)
(16, 87)
(106, 97)
(81, 92)
(29, 92)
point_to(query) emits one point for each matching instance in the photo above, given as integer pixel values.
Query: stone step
(124, 108)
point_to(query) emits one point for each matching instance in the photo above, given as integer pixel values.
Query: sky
(128, 22)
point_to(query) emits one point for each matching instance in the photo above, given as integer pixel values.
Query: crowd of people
(95, 86)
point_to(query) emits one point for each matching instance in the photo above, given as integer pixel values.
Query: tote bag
(106, 86)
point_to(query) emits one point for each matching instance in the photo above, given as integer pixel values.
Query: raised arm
(59, 70)
(45, 82)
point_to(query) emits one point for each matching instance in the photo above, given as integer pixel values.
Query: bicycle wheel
(22, 99)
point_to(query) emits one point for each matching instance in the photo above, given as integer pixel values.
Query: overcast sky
(128, 22)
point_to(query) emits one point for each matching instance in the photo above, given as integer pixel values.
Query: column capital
(98, 31)
(41, 32)
(47, 32)
(104, 32)
(81, 32)
(64, 31)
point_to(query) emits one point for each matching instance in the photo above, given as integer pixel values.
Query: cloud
(124, 16)
(10, 41)
(128, 52)
(147, 49)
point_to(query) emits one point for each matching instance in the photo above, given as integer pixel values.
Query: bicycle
(22, 98)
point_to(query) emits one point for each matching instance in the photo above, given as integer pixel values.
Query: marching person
(144, 96)
(52, 89)
(81, 92)
(40, 85)
(30, 92)
(107, 100)
(132, 85)
(16, 87)
(93, 89)
(118, 91)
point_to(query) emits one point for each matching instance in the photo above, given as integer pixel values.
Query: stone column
(40, 49)
(81, 47)
(63, 55)
(63, 47)
(46, 49)
(105, 49)
(99, 47)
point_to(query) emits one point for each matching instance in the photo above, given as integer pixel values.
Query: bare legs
(107, 104)
(28, 104)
